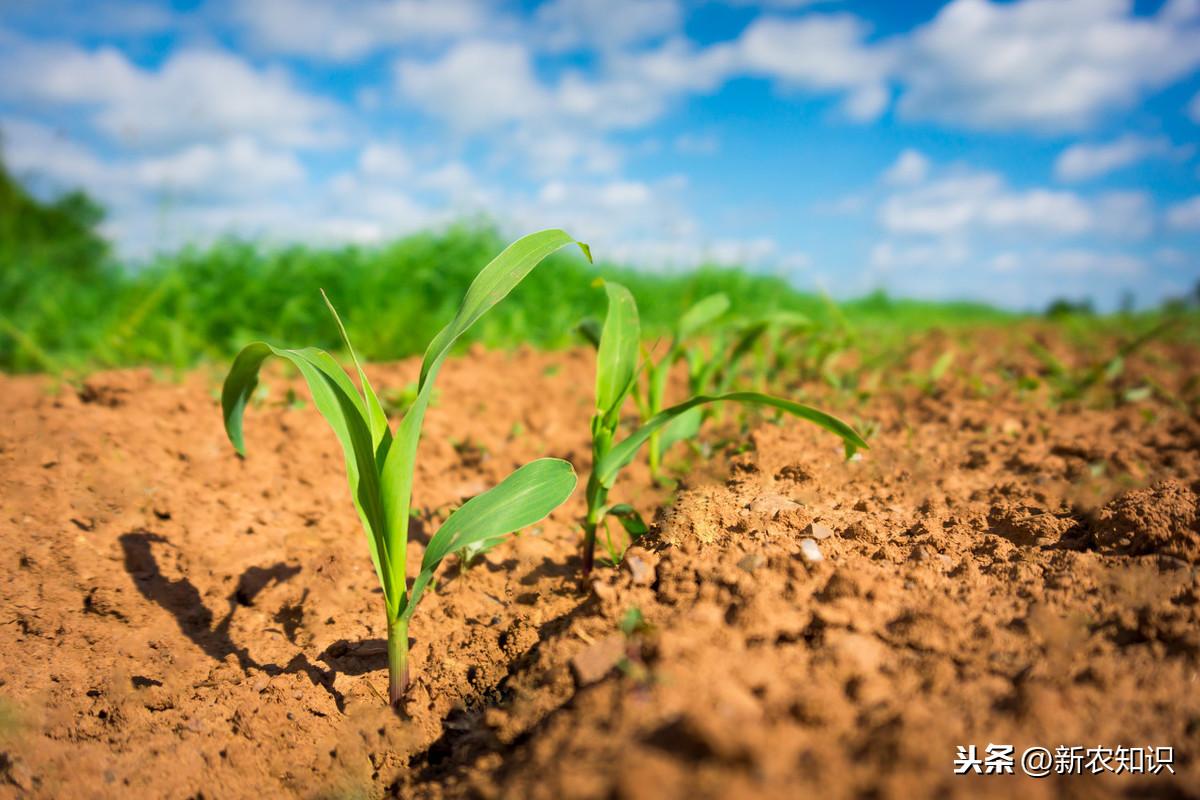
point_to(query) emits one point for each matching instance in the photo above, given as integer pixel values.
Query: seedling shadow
(466, 737)
(183, 600)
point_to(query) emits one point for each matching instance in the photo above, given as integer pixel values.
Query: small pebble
(641, 572)
(598, 659)
(772, 505)
(810, 552)
(752, 561)
(818, 531)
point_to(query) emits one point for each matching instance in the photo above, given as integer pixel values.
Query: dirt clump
(1164, 518)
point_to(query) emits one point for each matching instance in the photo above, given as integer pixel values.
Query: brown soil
(175, 622)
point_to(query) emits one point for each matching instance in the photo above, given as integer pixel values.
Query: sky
(1012, 152)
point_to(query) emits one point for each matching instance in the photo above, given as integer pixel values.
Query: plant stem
(655, 454)
(397, 646)
(596, 496)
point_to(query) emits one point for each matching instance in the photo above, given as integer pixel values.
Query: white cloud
(822, 53)
(351, 29)
(36, 151)
(385, 161)
(968, 200)
(697, 144)
(1042, 64)
(197, 95)
(492, 87)
(1069, 262)
(1123, 215)
(682, 253)
(1090, 262)
(888, 256)
(1185, 216)
(910, 167)
(961, 202)
(605, 24)
(237, 167)
(475, 85)
(233, 168)
(1081, 162)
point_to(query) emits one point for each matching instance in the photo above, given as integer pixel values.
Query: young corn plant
(616, 372)
(379, 462)
(716, 366)
(650, 402)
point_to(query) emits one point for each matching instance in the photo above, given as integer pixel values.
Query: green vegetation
(617, 368)
(67, 307)
(379, 464)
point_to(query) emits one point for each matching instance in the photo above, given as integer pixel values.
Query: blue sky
(1007, 151)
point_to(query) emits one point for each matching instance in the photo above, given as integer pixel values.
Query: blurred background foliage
(67, 305)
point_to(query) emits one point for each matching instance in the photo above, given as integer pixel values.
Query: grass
(199, 305)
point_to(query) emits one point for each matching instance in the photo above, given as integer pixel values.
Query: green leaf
(700, 314)
(476, 549)
(943, 363)
(623, 452)
(630, 519)
(617, 357)
(526, 496)
(685, 426)
(380, 432)
(491, 285)
(338, 401)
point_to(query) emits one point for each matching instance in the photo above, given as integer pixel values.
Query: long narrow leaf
(380, 432)
(491, 285)
(702, 313)
(526, 496)
(340, 404)
(622, 453)
(617, 356)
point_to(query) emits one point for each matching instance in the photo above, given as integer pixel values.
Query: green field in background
(66, 306)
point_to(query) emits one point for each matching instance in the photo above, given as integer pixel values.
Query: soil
(997, 568)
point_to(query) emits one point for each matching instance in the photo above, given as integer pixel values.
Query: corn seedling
(717, 368)
(379, 463)
(650, 402)
(1073, 383)
(616, 372)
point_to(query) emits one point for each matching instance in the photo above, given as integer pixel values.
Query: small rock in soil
(641, 571)
(598, 659)
(772, 504)
(752, 561)
(810, 552)
(818, 531)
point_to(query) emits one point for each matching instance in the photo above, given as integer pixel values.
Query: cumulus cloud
(961, 201)
(386, 161)
(237, 167)
(890, 255)
(1081, 162)
(475, 85)
(1185, 216)
(1042, 64)
(821, 53)
(352, 29)
(605, 24)
(910, 167)
(969, 200)
(197, 95)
